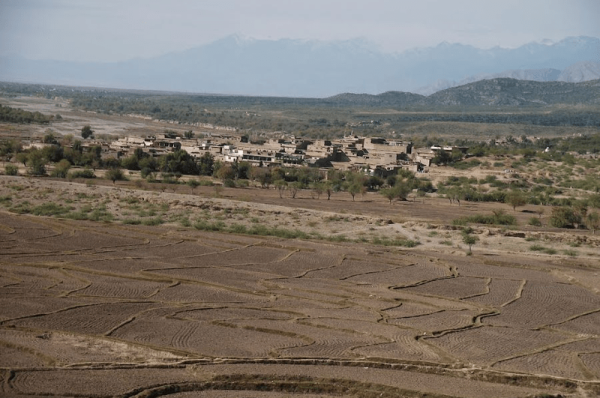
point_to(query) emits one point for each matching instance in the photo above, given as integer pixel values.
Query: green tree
(22, 157)
(36, 162)
(114, 174)
(399, 191)
(470, 240)
(564, 217)
(206, 164)
(189, 134)
(593, 221)
(61, 169)
(193, 183)
(262, 175)
(328, 189)
(516, 199)
(353, 188)
(225, 172)
(11, 170)
(281, 186)
(87, 132)
(178, 161)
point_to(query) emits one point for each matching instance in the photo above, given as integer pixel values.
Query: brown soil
(107, 308)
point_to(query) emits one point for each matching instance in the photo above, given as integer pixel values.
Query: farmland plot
(105, 310)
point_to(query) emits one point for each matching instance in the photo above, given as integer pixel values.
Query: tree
(281, 186)
(294, 187)
(37, 162)
(328, 189)
(593, 221)
(189, 134)
(399, 192)
(262, 175)
(455, 194)
(178, 161)
(515, 199)
(22, 157)
(193, 184)
(353, 189)
(61, 169)
(206, 164)
(470, 240)
(564, 217)
(87, 132)
(49, 138)
(114, 174)
(225, 172)
(11, 170)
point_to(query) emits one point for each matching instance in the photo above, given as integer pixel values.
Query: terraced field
(114, 310)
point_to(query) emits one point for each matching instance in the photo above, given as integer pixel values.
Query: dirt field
(111, 309)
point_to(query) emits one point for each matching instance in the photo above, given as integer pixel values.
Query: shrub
(114, 175)
(61, 169)
(535, 222)
(11, 170)
(499, 217)
(49, 209)
(543, 249)
(564, 217)
(85, 173)
(538, 248)
(153, 221)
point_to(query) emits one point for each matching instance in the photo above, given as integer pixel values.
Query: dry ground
(113, 309)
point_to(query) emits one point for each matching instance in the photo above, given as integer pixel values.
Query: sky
(117, 30)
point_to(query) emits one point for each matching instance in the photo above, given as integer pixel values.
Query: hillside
(493, 92)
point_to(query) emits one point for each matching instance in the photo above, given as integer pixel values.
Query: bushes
(499, 217)
(11, 170)
(85, 173)
(49, 209)
(542, 249)
(564, 217)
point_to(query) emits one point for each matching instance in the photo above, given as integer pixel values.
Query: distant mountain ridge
(311, 68)
(578, 72)
(492, 92)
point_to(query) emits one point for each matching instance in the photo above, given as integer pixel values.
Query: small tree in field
(193, 184)
(281, 186)
(593, 221)
(11, 170)
(87, 132)
(61, 169)
(114, 175)
(516, 199)
(469, 240)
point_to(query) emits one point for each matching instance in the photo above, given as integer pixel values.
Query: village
(371, 155)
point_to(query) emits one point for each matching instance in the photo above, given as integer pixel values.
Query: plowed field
(107, 309)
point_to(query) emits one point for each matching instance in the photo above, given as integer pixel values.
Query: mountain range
(310, 68)
(486, 93)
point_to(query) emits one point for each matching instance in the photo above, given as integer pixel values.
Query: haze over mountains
(300, 68)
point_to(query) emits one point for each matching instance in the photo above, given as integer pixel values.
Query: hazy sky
(113, 30)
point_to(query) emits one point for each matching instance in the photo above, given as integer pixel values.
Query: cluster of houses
(371, 154)
(376, 155)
